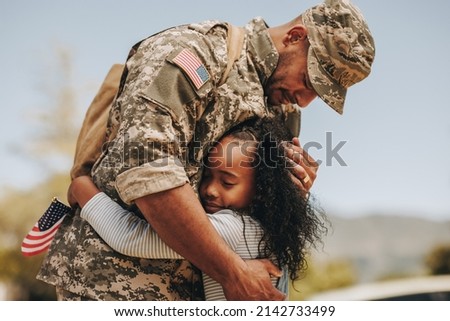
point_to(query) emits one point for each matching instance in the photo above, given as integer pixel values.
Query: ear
(295, 35)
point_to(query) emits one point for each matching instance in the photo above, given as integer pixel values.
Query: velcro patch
(193, 67)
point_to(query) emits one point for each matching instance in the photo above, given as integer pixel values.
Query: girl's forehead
(231, 153)
(230, 145)
(235, 141)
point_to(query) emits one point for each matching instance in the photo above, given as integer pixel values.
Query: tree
(438, 260)
(57, 122)
(52, 144)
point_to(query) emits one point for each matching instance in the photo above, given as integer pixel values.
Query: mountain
(380, 246)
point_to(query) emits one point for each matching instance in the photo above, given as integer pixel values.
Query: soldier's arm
(179, 219)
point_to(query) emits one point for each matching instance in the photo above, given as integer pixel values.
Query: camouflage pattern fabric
(63, 295)
(342, 49)
(80, 262)
(160, 126)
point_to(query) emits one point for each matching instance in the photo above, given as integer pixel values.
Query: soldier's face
(290, 82)
(228, 179)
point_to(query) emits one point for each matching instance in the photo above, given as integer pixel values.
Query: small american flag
(41, 235)
(193, 67)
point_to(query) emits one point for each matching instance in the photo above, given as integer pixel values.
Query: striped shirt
(130, 235)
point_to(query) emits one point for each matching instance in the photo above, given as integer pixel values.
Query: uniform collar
(261, 48)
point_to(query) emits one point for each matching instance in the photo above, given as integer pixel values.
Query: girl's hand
(81, 190)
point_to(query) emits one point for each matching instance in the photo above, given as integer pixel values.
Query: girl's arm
(130, 235)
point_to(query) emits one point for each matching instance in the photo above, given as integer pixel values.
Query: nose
(211, 191)
(305, 97)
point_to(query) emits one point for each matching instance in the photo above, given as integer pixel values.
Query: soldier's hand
(254, 284)
(303, 167)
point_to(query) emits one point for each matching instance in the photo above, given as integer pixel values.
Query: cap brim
(326, 88)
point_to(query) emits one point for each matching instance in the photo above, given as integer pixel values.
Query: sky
(391, 147)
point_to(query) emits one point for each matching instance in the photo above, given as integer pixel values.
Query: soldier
(177, 97)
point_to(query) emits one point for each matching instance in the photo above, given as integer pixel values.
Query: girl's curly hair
(290, 221)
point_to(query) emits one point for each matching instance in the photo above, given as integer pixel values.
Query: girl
(247, 185)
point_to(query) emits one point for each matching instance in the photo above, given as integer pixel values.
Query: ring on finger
(305, 179)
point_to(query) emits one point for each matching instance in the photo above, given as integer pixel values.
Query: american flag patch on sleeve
(193, 67)
(41, 235)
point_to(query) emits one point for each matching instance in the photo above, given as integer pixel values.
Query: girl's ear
(295, 35)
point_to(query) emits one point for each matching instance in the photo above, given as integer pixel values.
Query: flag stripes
(41, 235)
(193, 67)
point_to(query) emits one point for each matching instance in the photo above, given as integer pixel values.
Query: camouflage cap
(342, 49)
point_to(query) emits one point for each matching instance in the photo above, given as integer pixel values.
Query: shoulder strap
(235, 41)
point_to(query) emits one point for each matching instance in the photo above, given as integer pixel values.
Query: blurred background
(384, 179)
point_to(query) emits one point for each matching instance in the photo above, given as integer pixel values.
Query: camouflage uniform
(160, 127)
